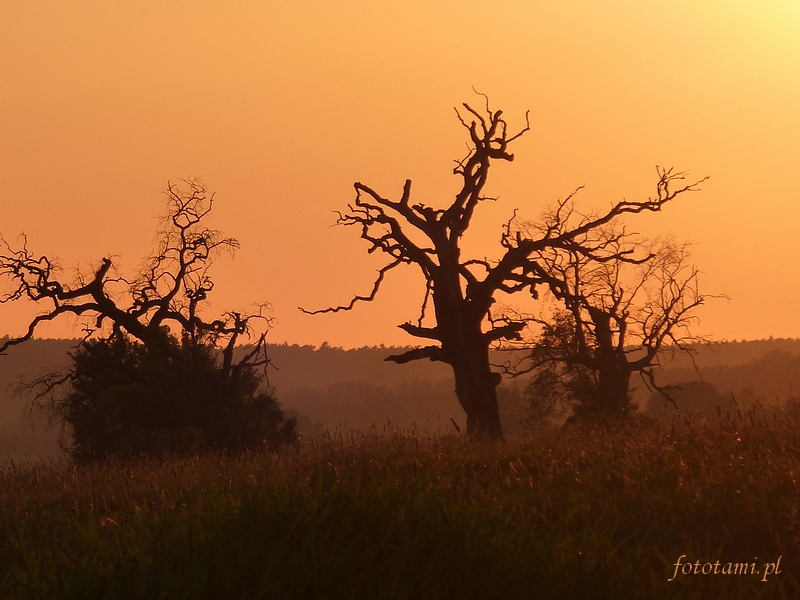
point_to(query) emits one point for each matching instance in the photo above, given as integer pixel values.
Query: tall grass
(585, 512)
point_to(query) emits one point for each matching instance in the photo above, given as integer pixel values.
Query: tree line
(155, 373)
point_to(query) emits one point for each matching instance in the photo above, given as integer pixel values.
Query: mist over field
(333, 389)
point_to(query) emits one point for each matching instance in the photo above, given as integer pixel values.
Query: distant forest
(333, 389)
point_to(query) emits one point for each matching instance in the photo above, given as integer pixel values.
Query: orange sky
(281, 106)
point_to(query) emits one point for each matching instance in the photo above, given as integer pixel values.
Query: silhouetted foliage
(132, 387)
(625, 300)
(463, 290)
(126, 399)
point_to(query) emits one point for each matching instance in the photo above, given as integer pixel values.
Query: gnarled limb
(171, 288)
(431, 352)
(369, 298)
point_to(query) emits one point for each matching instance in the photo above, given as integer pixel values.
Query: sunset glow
(280, 107)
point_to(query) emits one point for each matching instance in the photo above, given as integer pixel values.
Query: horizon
(326, 344)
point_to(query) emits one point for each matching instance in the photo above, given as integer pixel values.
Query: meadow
(587, 511)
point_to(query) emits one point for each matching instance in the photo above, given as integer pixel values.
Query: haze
(280, 107)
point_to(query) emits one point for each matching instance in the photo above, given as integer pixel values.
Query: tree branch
(434, 353)
(375, 287)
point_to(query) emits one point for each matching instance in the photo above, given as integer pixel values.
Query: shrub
(128, 399)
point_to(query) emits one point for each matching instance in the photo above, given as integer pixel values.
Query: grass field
(585, 512)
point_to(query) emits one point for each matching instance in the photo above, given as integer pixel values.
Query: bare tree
(624, 300)
(462, 290)
(133, 385)
(170, 289)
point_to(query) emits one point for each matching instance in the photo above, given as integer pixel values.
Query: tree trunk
(467, 352)
(476, 389)
(613, 371)
(466, 349)
(613, 397)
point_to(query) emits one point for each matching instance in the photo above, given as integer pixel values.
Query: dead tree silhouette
(462, 290)
(154, 319)
(620, 306)
(170, 290)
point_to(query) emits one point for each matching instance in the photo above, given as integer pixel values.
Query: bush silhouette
(129, 399)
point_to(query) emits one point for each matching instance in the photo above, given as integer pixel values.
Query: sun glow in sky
(280, 107)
